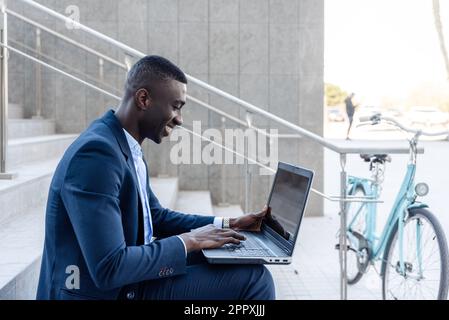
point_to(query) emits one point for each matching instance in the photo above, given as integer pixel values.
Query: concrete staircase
(34, 150)
(15, 111)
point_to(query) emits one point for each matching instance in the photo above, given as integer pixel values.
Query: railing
(250, 109)
(3, 92)
(72, 70)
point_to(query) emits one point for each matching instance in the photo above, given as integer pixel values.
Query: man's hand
(209, 237)
(249, 222)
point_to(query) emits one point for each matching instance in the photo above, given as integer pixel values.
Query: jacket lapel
(112, 122)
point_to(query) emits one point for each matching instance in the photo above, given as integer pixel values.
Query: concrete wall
(268, 52)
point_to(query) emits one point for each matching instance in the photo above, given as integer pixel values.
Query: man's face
(164, 110)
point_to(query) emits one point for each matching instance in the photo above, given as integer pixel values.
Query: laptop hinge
(277, 242)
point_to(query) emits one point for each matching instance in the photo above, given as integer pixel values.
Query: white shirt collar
(134, 146)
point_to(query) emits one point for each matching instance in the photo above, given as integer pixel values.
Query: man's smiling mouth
(167, 130)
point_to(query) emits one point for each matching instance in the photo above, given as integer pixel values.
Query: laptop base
(273, 255)
(248, 260)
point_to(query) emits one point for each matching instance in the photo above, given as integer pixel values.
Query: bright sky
(377, 48)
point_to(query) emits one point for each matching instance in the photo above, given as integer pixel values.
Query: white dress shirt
(142, 174)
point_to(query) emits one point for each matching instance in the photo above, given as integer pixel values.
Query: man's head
(155, 91)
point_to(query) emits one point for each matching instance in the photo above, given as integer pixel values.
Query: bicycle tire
(359, 274)
(442, 244)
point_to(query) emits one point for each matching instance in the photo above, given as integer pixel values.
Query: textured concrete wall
(268, 52)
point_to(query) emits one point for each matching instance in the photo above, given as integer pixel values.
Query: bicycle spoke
(418, 281)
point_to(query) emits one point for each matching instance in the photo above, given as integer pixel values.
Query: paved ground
(314, 273)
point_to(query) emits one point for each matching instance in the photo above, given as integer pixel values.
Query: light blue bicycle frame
(404, 201)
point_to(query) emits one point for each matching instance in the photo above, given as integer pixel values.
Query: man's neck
(128, 123)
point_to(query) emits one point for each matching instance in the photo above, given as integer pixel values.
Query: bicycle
(412, 246)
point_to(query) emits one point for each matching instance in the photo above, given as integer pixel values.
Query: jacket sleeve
(90, 193)
(167, 222)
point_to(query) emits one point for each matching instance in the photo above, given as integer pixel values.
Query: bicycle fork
(405, 268)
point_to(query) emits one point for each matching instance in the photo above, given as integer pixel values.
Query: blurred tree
(439, 27)
(445, 106)
(334, 95)
(429, 93)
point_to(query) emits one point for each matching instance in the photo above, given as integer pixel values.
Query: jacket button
(130, 295)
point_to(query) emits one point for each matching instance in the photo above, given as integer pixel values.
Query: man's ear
(142, 99)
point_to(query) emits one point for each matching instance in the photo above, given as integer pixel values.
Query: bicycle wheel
(357, 256)
(428, 281)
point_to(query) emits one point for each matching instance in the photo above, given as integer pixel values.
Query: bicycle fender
(417, 205)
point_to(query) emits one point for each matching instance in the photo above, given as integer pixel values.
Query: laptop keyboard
(247, 248)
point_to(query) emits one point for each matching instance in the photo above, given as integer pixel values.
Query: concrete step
(15, 111)
(22, 202)
(166, 190)
(232, 211)
(40, 148)
(23, 128)
(21, 243)
(194, 202)
(28, 191)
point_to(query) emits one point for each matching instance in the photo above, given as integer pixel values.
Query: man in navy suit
(102, 217)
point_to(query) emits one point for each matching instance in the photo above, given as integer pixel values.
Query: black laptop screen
(287, 201)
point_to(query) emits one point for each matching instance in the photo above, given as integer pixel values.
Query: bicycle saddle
(376, 157)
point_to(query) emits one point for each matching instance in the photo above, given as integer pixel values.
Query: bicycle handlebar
(378, 117)
(365, 118)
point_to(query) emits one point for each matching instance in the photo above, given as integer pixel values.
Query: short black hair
(151, 69)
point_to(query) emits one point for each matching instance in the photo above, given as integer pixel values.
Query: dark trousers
(205, 281)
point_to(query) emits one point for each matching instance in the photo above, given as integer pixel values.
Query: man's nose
(178, 120)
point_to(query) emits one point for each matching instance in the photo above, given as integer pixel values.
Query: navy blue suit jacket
(92, 222)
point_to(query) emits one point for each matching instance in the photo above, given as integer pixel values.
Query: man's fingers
(230, 240)
(232, 233)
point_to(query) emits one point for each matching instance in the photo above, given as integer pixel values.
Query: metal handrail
(123, 66)
(67, 39)
(197, 101)
(59, 71)
(71, 69)
(248, 106)
(241, 122)
(3, 92)
(85, 28)
(223, 146)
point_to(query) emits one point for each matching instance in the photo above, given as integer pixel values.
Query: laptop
(275, 242)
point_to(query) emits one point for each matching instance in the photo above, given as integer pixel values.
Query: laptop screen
(287, 202)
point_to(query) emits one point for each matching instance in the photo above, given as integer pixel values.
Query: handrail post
(247, 167)
(38, 75)
(342, 243)
(101, 69)
(128, 61)
(223, 202)
(4, 92)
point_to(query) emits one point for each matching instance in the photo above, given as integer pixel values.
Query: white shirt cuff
(185, 248)
(218, 222)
